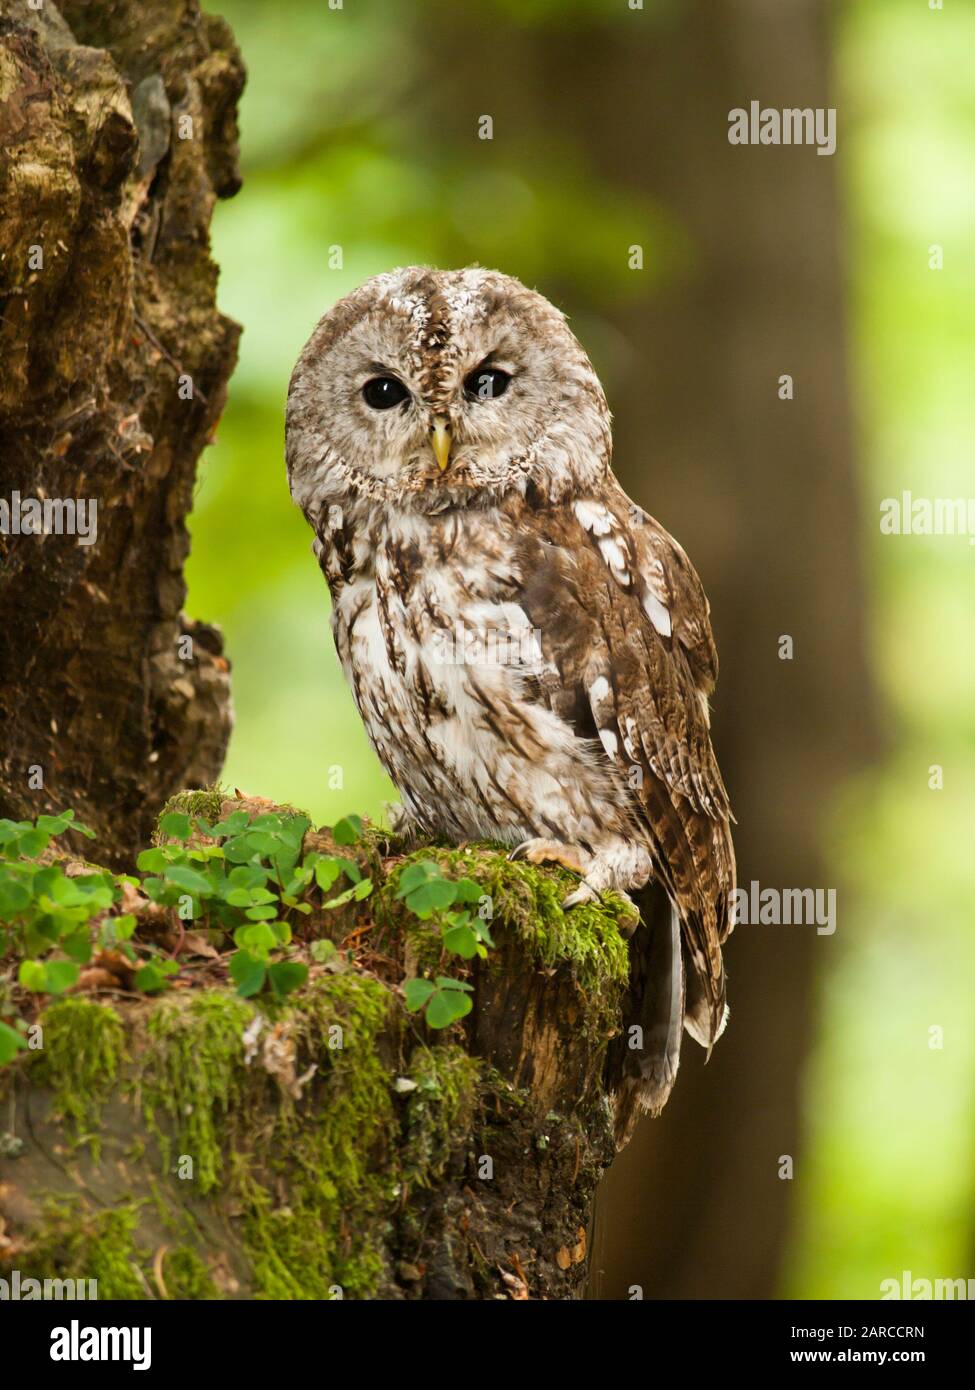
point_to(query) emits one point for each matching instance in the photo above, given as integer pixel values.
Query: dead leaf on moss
(107, 970)
(94, 978)
(250, 1036)
(516, 1286)
(196, 944)
(277, 1055)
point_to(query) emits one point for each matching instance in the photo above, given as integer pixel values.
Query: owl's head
(427, 388)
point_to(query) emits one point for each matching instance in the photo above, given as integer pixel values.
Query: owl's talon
(583, 894)
(627, 921)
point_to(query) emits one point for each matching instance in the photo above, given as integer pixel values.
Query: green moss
(84, 1046)
(72, 1243)
(193, 1073)
(332, 1148)
(205, 802)
(305, 1176)
(439, 1111)
(186, 1276)
(527, 901)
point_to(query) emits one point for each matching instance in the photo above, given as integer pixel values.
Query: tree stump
(198, 1144)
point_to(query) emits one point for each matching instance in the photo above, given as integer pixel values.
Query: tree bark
(118, 133)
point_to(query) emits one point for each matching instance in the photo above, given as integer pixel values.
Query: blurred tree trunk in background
(118, 133)
(761, 492)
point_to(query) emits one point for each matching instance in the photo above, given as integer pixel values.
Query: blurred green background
(358, 139)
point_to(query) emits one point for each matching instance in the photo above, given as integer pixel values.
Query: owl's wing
(626, 636)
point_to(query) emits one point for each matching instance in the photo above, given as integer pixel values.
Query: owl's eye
(486, 384)
(383, 392)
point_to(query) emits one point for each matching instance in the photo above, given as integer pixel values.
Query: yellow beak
(441, 441)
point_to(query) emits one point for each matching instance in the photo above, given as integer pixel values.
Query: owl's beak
(440, 441)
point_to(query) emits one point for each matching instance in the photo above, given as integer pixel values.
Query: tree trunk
(118, 133)
(763, 491)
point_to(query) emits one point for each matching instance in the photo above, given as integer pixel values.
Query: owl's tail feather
(658, 998)
(666, 996)
(705, 1015)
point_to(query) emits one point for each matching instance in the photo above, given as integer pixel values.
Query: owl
(530, 652)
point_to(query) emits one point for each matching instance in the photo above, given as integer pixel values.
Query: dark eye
(383, 392)
(486, 384)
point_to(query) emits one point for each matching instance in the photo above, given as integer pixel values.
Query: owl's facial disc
(427, 382)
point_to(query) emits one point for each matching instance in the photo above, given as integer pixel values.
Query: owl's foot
(591, 889)
(598, 873)
(538, 851)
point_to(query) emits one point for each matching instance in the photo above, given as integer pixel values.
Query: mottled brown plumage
(530, 652)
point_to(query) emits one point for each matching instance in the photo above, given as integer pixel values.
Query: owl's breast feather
(443, 664)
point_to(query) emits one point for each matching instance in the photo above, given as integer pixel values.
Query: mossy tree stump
(198, 1144)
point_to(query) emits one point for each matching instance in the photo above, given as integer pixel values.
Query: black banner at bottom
(67, 1339)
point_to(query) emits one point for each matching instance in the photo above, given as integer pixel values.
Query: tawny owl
(530, 652)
